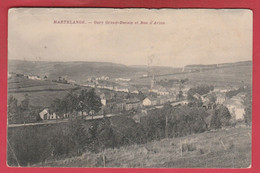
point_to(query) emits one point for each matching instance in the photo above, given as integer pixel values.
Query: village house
(104, 99)
(90, 84)
(221, 97)
(137, 117)
(102, 78)
(32, 77)
(164, 99)
(159, 90)
(132, 104)
(236, 107)
(150, 101)
(9, 75)
(133, 90)
(197, 96)
(91, 79)
(121, 89)
(70, 81)
(208, 105)
(123, 79)
(46, 115)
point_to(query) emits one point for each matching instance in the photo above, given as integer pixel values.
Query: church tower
(153, 82)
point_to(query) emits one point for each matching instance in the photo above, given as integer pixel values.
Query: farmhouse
(45, 115)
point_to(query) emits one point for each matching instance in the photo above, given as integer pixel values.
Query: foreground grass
(225, 148)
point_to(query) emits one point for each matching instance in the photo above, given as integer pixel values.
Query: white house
(45, 115)
(103, 99)
(53, 116)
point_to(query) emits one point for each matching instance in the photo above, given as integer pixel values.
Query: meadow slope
(225, 148)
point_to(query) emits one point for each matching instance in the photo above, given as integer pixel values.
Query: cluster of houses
(235, 104)
(110, 105)
(116, 105)
(112, 87)
(32, 77)
(163, 95)
(46, 114)
(99, 78)
(151, 101)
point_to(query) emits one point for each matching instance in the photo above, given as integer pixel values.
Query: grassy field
(41, 93)
(226, 148)
(231, 76)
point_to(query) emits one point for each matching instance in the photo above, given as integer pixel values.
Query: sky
(183, 37)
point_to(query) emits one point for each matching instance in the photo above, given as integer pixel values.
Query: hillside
(40, 93)
(78, 71)
(232, 73)
(226, 148)
(229, 76)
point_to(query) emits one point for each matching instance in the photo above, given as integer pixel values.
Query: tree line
(73, 103)
(38, 144)
(21, 112)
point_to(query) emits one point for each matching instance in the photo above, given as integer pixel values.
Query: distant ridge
(221, 64)
(80, 71)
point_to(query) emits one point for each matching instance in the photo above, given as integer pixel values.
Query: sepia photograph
(129, 88)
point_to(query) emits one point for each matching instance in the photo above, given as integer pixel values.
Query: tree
(215, 121)
(180, 95)
(140, 95)
(248, 115)
(127, 96)
(71, 100)
(248, 106)
(25, 104)
(89, 101)
(58, 107)
(24, 108)
(201, 89)
(12, 109)
(212, 97)
(224, 115)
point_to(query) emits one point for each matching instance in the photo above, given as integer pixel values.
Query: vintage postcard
(129, 88)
